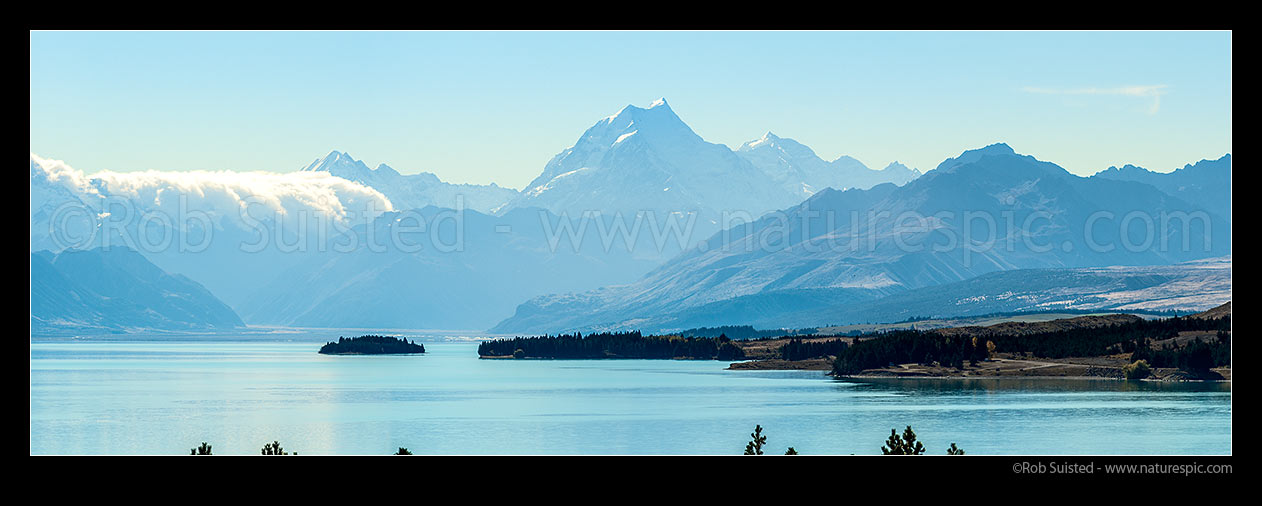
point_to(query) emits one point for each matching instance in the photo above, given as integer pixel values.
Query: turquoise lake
(156, 397)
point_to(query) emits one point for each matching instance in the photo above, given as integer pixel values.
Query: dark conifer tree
(905, 445)
(754, 447)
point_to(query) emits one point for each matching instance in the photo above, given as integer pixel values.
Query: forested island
(613, 345)
(371, 345)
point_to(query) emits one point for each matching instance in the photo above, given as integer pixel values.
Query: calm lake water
(152, 397)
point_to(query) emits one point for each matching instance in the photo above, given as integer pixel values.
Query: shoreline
(1013, 376)
(1001, 368)
(370, 354)
(776, 364)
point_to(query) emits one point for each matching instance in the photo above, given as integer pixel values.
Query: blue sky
(478, 107)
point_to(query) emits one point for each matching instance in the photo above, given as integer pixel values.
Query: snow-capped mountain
(412, 191)
(988, 210)
(51, 190)
(648, 160)
(798, 169)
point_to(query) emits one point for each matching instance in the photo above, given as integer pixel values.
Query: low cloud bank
(223, 195)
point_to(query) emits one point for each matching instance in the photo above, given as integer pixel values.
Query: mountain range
(1206, 183)
(986, 210)
(516, 240)
(797, 168)
(647, 160)
(412, 191)
(781, 237)
(1186, 286)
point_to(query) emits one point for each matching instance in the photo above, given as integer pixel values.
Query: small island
(371, 345)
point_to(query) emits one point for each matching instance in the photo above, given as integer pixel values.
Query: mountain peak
(785, 146)
(972, 155)
(998, 148)
(335, 156)
(657, 124)
(337, 163)
(768, 139)
(387, 169)
(897, 168)
(658, 111)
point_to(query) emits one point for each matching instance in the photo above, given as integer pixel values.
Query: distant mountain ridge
(837, 243)
(412, 191)
(800, 170)
(118, 290)
(785, 259)
(1189, 286)
(1206, 183)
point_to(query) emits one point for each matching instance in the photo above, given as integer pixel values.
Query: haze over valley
(643, 224)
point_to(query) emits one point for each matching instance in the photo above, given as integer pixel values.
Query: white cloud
(1154, 91)
(222, 194)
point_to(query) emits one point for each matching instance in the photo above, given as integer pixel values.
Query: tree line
(1196, 355)
(613, 345)
(928, 347)
(796, 349)
(1105, 340)
(911, 346)
(741, 332)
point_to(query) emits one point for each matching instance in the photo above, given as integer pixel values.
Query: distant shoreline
(1226, 379)
(995, 369)
(361, 353)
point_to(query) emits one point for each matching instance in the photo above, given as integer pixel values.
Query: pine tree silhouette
(273, 448)
(906, 445)
(755, 447)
